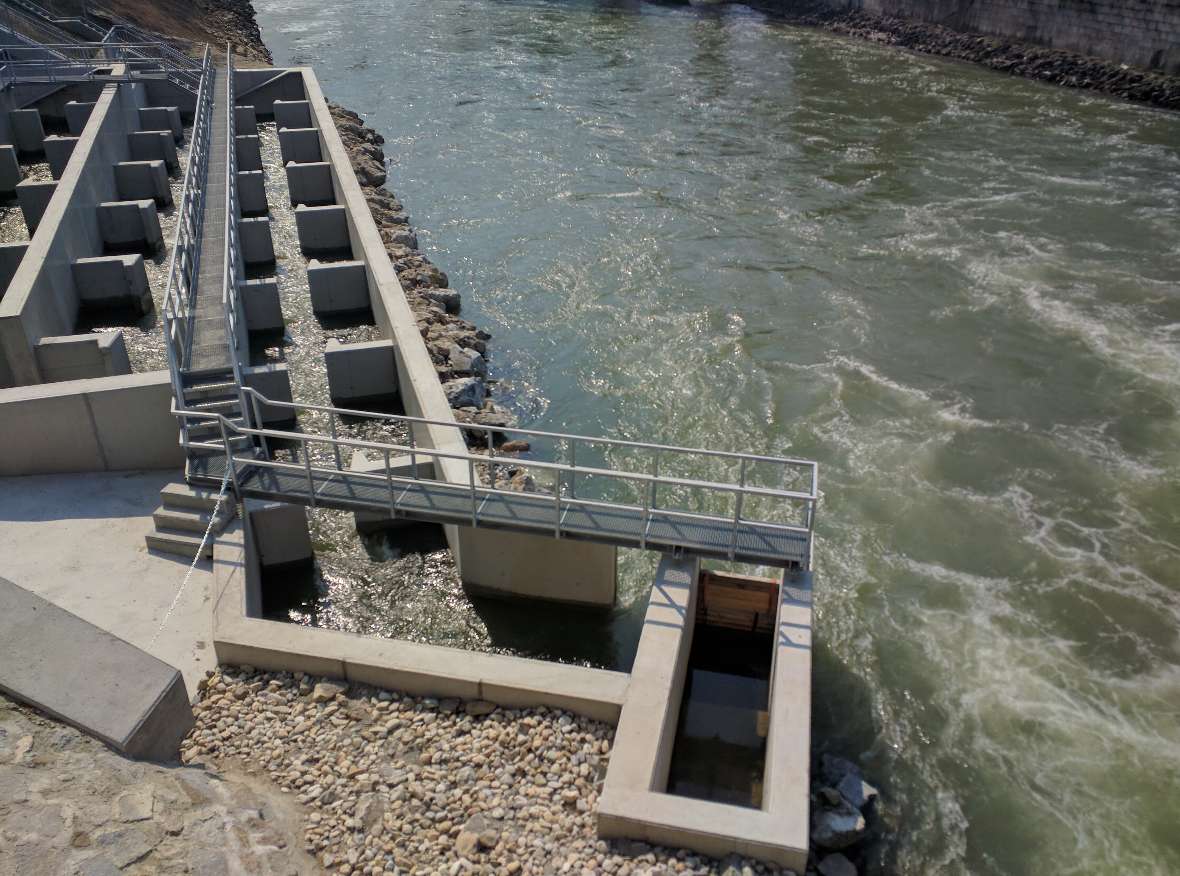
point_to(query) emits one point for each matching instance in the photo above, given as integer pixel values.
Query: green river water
(959, 292)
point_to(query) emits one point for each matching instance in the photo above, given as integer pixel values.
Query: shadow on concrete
(83, 496)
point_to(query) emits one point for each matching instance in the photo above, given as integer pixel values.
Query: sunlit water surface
(959, 292)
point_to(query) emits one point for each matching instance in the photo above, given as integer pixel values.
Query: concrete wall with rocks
(1145, 33)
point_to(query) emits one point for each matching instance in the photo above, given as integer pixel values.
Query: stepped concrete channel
(90, 465)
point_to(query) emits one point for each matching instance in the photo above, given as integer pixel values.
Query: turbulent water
(959, 292)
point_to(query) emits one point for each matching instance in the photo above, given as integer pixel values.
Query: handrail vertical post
(229, 457)
(491, 459)
(573, 468)
(389, 483)
(307, 468)
(413, 455)
(471, 478)
(557, 504)
(335, 441)
(258, 422)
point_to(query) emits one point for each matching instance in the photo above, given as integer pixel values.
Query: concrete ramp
(85, 676)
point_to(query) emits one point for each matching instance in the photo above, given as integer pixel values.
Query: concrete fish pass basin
(644, 705)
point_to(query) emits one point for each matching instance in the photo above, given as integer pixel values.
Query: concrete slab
(10, 172)
(300, 145)
(77, 115)
(323, 230)
(360, 372)
(161, 118)
(34, 196)
(91, 560)
(57, 153)
(130, 225)
(90, 678)
(154, 145)
(143, 179)
(310, 184)
(292, 114)
(28, 134)
(338, 287)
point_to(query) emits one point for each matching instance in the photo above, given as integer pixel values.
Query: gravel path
(398, 784)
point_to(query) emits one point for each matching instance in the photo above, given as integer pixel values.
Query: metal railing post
(491, 460)
(229, 457)
(307, 468)
(471, 478)
(258, 423)
(335, 439)
(389, 483)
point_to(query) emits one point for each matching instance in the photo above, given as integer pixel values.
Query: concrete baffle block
(273, 381)
(113, 281)
(161, 118)
(310, 184)
(81, 357)
(245, 120)
(136, 180)
(249, 152)
(280, 532)
(28, 134)
(323, 231)
(77, 115)
(130, 226)
(258, 246)
(10, 172)
(153, 145)
(338, 287)
(57, 152)
(260, 302)
(361, 373)
(300, 145)
(292, 114)
(34, 196)
(252, 192)
(10, 259)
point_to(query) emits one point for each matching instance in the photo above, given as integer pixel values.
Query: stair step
(217, 405)
(212, 389)
(194, 520)
(184, 496)
(178, 543)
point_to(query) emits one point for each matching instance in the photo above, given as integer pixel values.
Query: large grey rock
(836, 865)
(465, 392)
(856, 790)
(838, 828)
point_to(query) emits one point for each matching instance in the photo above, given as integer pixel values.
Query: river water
(958, 291)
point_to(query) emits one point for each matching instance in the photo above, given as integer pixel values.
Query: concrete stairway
(182, 518)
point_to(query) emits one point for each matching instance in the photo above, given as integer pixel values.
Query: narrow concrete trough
(80, 674)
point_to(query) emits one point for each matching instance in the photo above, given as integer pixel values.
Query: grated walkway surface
(210, 347)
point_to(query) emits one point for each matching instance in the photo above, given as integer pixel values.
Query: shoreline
(1003, 55)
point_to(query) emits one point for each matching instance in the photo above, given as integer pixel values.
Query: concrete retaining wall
(42, 299)
(1145, 33)
(102, 424)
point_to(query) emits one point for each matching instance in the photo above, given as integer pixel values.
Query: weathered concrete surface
(89, 559)
(70, 805)
(85, 676)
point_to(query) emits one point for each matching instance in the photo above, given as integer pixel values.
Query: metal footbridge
(626, 493)
(740, 507)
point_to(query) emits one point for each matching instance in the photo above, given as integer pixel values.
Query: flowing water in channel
(959, 292)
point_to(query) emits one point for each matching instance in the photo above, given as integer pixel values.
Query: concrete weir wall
(42, 299)
(100, 424)
(1145, 33)
(488, 560)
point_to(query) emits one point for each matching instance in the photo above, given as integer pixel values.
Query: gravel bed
(400, 784)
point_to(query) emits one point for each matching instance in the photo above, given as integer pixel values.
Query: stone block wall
(1145, 33)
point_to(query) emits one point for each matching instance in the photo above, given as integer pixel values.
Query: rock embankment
(842, 806)
(1018, 59)
(458, 348)
(398, 784)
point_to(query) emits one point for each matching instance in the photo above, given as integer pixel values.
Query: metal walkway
(632, 508)
(210, 349)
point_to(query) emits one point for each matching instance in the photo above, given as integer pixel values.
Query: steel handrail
(809, 466)
(478, 491)
(186, 247)
(230, 263)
